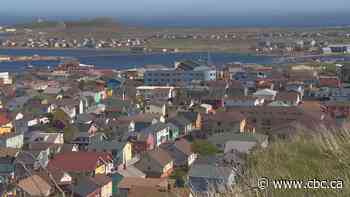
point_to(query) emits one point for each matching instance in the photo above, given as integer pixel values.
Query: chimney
(124, 95)
(245, 91)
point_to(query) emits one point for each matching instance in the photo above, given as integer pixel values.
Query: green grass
(324, 156)
(205, 148)
(201, 45)
(37, 25)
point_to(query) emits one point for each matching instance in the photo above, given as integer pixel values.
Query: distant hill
(97, 22)
(40, 25)
(84, 23)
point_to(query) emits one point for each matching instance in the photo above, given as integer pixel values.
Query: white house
(42, 137)
(5, 78)
(12, 140)
(243, 101)
(266, 94)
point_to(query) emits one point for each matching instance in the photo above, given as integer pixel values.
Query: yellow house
(127, 153)
(5, 125)
(106, 185)
(100, 169)
(109, 93)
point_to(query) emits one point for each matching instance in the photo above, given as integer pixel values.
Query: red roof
(3, 119)
(78, 161)
(329, 81)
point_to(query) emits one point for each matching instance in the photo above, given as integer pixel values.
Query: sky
(168, 7)
(173, 11)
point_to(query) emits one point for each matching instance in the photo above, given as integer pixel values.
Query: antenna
(209, 61)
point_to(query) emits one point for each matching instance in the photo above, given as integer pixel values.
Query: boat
(29, 66)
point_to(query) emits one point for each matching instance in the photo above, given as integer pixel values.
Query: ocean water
(118, 60)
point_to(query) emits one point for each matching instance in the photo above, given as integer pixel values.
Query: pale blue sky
(168, 7)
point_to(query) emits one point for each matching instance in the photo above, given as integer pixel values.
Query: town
(184, 130)
(107, 34)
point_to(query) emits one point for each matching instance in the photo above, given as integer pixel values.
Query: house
(241, 142)
(329, 81)
(96, 186)
(82, 162)
(34, 185)
(345, 72)
(34, 159)
(120, 151)
(83, 139)
(181, 152)
(174, 76)
(223, 122)
(7, 169)
(289, 98)
(137, 191)
(9, 152)
(138, 126)
(69, 106)
(49, 138)
(127, 183)
(243, 101)
(5, 78)
(161, 93)
(336, 109)
(17, 103)
(11, 140)
(118, 106)
(266, 94)
(142, 142)
(296, 87)
(156, 108)
(6, 125)
(55, 91)
(105, 183)
(204, 178)
(192, 117)
(185, 125)
(62, 178)
(51, 148)
(267, 118)
(33, 120)
(98, 94)
(162, 132)
(156, 163)
(215, 101)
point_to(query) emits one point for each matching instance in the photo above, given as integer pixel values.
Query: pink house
(143, 142)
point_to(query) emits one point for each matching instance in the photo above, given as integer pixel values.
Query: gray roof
(85, 118)
(85, 186)
(180, 121)
(210, 171)
(107, 145)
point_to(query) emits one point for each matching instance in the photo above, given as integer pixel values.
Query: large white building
(5, 78)
(339, 48)
(183, 73)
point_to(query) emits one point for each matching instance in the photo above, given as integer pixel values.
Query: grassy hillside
(323, 156)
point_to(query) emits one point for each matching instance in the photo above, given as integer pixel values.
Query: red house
(337, 109)
(329, 81)
(82, 162)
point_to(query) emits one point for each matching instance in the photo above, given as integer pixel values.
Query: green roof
(247, 137)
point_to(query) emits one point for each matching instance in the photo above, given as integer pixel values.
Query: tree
(68, 133)
(60, 115)
(203, 147)
(81, 84)
(179, 176)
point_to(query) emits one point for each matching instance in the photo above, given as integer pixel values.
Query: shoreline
(134, 53)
